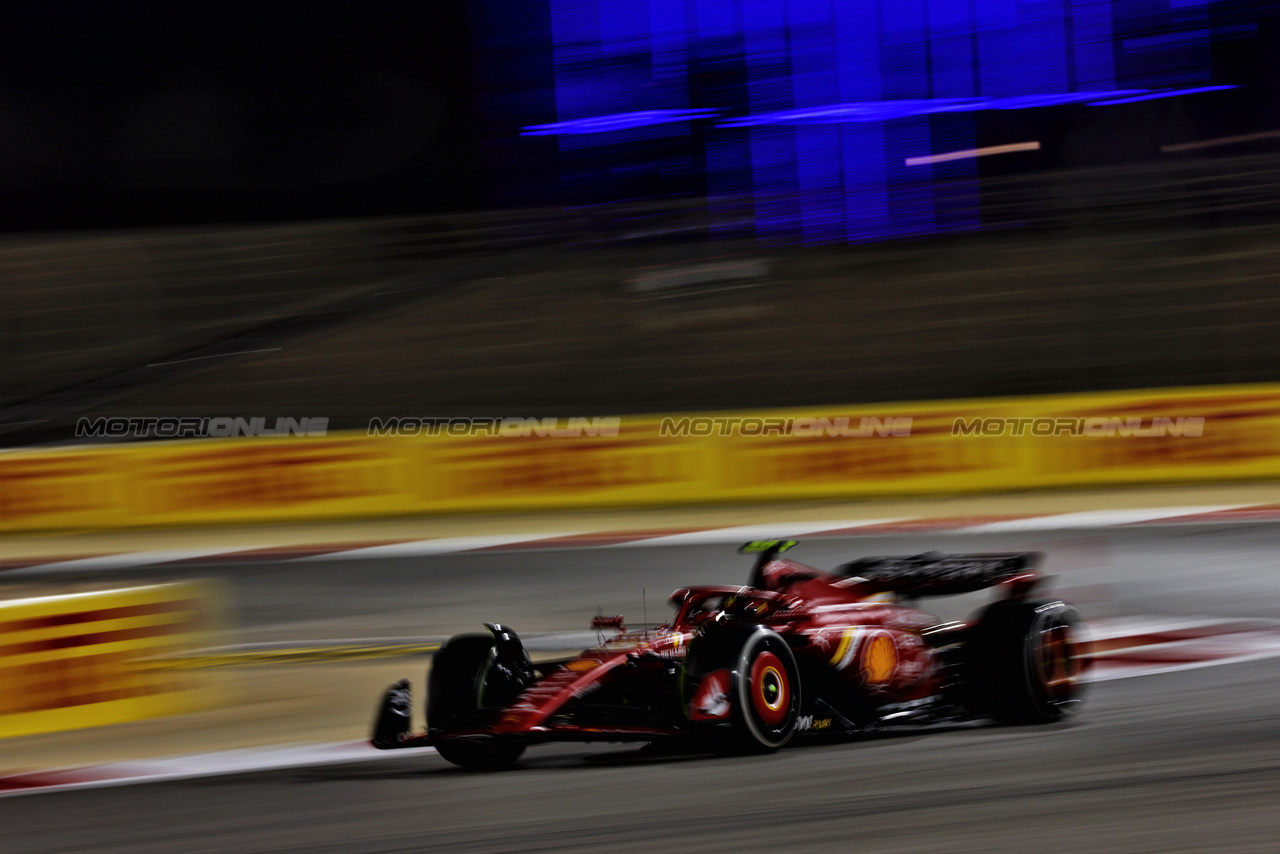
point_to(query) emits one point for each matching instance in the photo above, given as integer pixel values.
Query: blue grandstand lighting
(869, 111)
(880, 111)
(1023, 102)
(865, 111)
(617, 121)
(1155, 95)
(813, 108)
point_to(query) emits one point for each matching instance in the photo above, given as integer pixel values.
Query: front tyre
(480, 756)
(468, 684)
(759, 681)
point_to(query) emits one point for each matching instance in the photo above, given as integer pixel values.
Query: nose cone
(537, 703)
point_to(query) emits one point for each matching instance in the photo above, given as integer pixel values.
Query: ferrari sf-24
(797, 652)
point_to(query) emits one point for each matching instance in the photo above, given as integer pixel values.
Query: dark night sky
(114, 114)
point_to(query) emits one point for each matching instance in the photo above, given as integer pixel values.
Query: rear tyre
(464, 691)
(763, 688)
(1028, 660)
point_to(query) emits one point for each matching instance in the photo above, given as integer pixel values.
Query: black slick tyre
(1027, 661)
(762, 688)
(459, 696)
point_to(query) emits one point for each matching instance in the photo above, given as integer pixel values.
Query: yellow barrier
(90, 659)
(354, 475)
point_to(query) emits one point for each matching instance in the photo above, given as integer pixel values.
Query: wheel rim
(770, 689)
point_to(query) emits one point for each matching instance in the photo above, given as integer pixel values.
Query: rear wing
(937, 574)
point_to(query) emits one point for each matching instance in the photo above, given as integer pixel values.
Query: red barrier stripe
(96, 615)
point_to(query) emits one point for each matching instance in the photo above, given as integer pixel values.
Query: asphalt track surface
(1186, 761)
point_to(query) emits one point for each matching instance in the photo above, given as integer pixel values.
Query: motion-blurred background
(932, 209)
(445, 208)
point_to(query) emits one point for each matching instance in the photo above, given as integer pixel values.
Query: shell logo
(879, 660)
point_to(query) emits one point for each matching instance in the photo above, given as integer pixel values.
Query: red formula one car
(796, 652)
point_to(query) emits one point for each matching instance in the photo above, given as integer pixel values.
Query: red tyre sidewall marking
(768, 669)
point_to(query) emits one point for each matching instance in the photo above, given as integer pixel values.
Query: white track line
(1139, 625)
(437, 546)
(220, 763)
(1112, 673)
(123, 560)
(1084, 520)
(1094, 519)
(742, 533)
